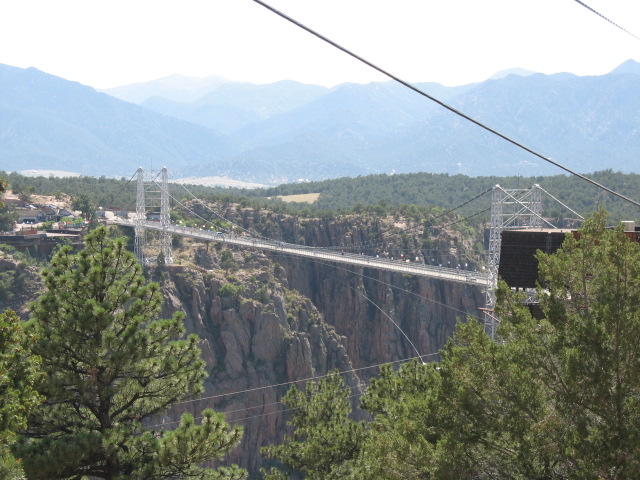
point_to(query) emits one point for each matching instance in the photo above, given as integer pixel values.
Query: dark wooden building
(518, 264)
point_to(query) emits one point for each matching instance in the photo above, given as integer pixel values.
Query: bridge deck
(442, 273)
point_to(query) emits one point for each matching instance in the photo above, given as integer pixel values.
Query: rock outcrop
(258, 339)
(363, 304)
(269, 322)
(20, 283)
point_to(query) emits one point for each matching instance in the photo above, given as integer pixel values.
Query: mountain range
(288, 131)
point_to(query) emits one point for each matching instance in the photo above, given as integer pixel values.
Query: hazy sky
(117, 42)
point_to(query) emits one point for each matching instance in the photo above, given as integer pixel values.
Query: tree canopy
(375, 193)
(324, 438)
(18, 373)
(8, 215)
(110, 367)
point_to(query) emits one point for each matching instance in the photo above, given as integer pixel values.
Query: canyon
(268, 322)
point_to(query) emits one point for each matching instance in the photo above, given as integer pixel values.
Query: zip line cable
(607, 19)
(390, 319)
(271, 404)
(459, 206)
(293, 382)
(429, 221)
(213, 211)
(467, 218)
(419, 356)
(443, 104)
(283, 411)
(209, 222)
(122, 190)
(318, 377)
(412, 228)
(265, 414)
(565, 206)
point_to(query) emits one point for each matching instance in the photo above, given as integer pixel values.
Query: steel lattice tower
(511, 209)
(152, 205)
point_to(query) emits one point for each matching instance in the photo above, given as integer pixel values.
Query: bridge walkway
(316, 253)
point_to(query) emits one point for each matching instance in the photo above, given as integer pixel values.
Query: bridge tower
(152, 205)
(511, 209)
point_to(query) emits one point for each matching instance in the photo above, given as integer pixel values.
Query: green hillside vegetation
(449, 191)
(373, 193)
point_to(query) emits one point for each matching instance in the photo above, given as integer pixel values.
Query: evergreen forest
(374, 193)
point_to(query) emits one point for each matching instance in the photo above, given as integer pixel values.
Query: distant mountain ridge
(229, 107)
(521, 72)
(47, 122)
(177, 88)
(630, 66)
(288, 131)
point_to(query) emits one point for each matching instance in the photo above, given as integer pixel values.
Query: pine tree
(85, 204)
(592, 356)
(8, 214)
(110, 366)
(554, 398)
(325, 440)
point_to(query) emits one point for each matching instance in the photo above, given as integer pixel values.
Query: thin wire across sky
(443, 104)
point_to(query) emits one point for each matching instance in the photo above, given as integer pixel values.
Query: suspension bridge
(510, 209)
(314, 253)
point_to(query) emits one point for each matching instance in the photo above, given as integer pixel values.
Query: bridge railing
(402, 266)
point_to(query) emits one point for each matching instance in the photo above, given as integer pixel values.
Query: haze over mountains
(289, 131)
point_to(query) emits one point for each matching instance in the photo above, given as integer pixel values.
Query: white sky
(110, 43)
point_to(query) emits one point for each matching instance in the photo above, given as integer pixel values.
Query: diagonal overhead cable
(459, 206)
(607, 19)
(441, 103)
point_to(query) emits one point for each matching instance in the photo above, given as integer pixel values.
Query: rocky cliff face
(258, 338)
(363, 304)
(270, 322)
(20, 284)
(274, 320)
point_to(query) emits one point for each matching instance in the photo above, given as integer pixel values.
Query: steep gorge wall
(365, 305)
(267, 322)
(361, 303)
(20, 284)
(256, 344)
(296, 318)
